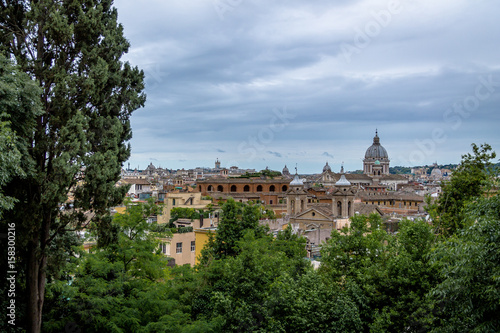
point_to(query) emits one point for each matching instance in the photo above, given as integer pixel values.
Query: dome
(436, 173)
(376, 150)
(285, 170)
(296, 181)
(327, 167)
(343, 181)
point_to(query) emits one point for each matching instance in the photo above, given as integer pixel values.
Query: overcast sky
(266, 83)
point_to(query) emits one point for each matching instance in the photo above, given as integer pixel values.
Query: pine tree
(76, 149)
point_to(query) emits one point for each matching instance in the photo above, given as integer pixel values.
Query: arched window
(349, 209)
(210, 188)
(379, 173)
(199, 187)
(220, 188)
(339, 208)
(259, 188)
(284, 188)
(246, 188)
(271, 202)
(233, 188)
(272, 188)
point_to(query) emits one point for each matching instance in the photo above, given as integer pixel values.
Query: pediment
(308, 214)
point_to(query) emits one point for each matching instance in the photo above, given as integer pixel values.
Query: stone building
(316, 220)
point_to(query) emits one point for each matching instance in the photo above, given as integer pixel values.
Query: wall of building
(183, 200)
(187, 255)
(201, 238)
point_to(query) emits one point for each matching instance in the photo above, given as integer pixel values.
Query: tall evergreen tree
(72, 48)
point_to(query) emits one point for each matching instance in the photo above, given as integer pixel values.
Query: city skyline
(260, 84)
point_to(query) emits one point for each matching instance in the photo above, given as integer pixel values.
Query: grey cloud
(215, 83)
(276, 154)
(327, 155)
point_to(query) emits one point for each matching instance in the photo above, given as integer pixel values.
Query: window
(178, 248)
(272, 188)
(233, 188)
(139, 187)
(192, 246)
(270, 202)
(259, 188)
(284, 188)
(220, 188)
(210, 188)
(246, 188)
(164, 248)
(173, 202)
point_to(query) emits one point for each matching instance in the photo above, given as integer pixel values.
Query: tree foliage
(77, 144)
(18, 96)
(187, 213)
(120, 287)
(468, 298)
(355, 247)
(235, 219)
(472, 178)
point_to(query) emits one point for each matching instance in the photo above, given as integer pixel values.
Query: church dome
(285, 171)
(296, 181)
(327, 167)
(436, 173)
(376, 151)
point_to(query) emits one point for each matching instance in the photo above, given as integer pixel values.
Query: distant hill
(401, 170)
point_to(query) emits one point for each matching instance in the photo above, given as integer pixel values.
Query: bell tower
(343, 197)
(296, 196)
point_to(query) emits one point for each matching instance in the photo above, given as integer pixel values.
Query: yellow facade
(183, 200)
(201, 238)
(120, 209)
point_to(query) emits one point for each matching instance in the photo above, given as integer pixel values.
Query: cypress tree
(76, 148)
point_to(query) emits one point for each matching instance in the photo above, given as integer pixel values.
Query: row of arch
(246, 188)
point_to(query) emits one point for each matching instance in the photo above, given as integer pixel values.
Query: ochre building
(267, 191)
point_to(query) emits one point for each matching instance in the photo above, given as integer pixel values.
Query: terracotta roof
(136, 181)
(325, 210)
(356, 177)
(366, 209)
